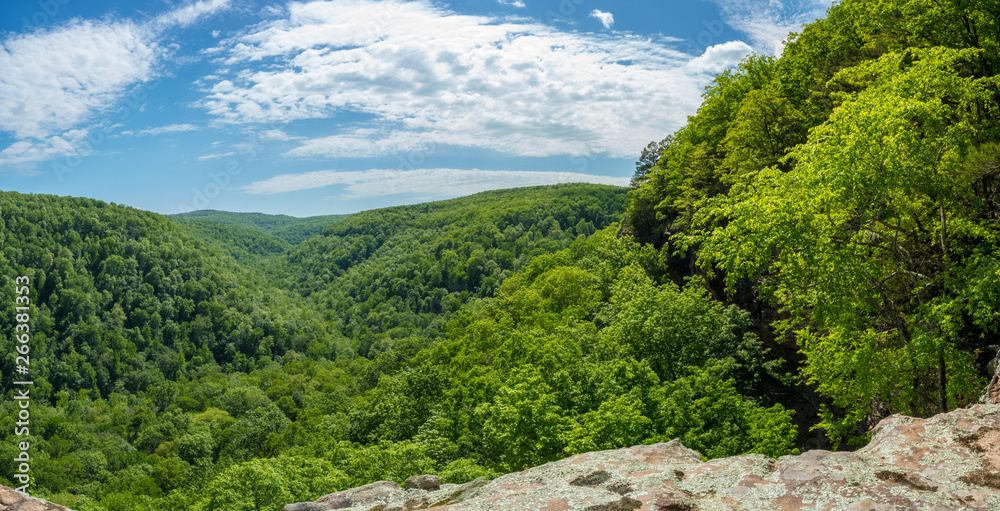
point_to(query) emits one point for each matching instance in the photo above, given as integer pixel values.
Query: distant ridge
(288, 228)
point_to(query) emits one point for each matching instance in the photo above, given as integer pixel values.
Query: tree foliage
(846, 184)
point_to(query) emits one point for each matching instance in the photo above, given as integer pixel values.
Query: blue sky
(309, 108)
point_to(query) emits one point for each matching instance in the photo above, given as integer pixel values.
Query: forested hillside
(167, 348)
(288, 228)
(852, 185)
(388, 274)
(815, 250)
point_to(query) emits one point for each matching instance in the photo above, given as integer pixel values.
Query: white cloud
(514, 3)
(606, 18)
(768, 23)
(54, 80)
(428, 75)
(429, 183)
(191, 13)
(719, 57)
(278, 135)
(172, 128)
(213, 156)
(365, 142)
(25, 152)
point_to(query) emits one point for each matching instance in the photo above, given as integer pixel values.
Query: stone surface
(950, 461)
(992, 394)
(12, 500)
(363, 497)
(424, 482)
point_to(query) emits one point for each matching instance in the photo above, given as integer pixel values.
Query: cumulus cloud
(427, 75)
(768, 23)
(45, 89)
(57, 81)
(48, 100)
(429, 183)
(719, 57)
(606, 18)
(24, 152)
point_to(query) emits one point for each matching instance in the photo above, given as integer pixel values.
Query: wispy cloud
(278, 135)
(368, 142)
(606, 18)
(213, 156)
(45, 90)
(768, 23)
(191, 13)
(172, 128)
(432, 183)
(514, 3)
(56, 82)
(514, 86)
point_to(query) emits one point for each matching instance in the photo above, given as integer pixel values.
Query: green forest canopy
(815, 250)
(852, 184)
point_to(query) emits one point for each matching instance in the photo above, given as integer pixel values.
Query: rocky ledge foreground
(11, 500)
(950, 461)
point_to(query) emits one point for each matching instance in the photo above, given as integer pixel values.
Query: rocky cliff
(950, 461)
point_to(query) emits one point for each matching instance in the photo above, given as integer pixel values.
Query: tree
(704, 410)
(618, 422)
(854, 241)
(523, 423)
(269, 484)
(649, 158)
(670, 327)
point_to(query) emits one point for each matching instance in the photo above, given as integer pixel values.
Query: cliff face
(950, 461)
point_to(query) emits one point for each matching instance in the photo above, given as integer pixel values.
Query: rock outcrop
(11, 500)
(950, 461)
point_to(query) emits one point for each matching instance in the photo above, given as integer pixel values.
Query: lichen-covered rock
(423, 482)
(362, 497)
(992, 394)
(950, 461)
(12, 500)
(388, 496)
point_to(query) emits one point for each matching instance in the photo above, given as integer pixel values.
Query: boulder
(362, 497)
(388, 496)
(424, 482)
(950, 461)
(991, 396)
(13, 500)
